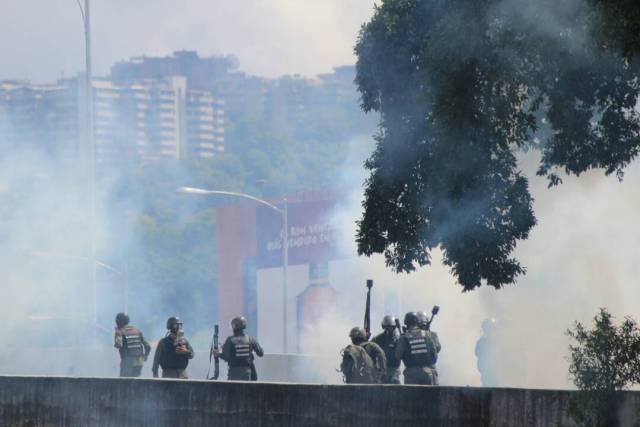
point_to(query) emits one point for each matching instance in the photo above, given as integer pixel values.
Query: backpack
(363, 369)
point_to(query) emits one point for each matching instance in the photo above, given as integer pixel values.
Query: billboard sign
(312, 235)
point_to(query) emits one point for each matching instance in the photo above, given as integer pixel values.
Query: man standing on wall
(238, 351)
(418, 349)
(173, 352)
(132, 346)
(362, 362)
(388, 340)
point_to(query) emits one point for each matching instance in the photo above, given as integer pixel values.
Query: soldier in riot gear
(387, 340)
(132, 346)
(418, 349)
(238, 352)
(173, 352)
(362, 362)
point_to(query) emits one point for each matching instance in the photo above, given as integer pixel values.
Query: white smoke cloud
(581, 256)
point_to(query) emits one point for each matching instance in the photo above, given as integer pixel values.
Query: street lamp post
(90, 147)
(284, 212)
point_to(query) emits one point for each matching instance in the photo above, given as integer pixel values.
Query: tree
(461, 86)
(603, 360)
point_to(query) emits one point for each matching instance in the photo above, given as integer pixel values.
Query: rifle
(434, 311)
(367, 310)
(214, 345)
(254, 372)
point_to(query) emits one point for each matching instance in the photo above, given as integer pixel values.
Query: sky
(42, 40)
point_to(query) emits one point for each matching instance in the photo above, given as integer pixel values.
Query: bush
(603, 360)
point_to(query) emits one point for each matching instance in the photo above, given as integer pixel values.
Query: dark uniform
(173, 352)
(419, 350)
(131, 345)
(388, 341)
(238, 351)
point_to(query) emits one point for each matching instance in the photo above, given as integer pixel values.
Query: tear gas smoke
(580, 257)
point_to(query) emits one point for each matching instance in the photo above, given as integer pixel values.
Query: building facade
(147, 120)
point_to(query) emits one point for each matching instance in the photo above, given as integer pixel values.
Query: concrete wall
(62, 401)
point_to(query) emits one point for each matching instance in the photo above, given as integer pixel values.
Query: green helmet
(358, 333)
(239, 323)
(423, 319)
(174, 321)
(388, 321)
(411, 319)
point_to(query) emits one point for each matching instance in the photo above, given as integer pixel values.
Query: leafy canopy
(461, 86)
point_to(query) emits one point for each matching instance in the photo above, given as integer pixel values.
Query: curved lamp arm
(191, 190)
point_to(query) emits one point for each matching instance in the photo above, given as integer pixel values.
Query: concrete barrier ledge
(68, 401)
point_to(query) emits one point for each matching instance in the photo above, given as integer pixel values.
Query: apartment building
(142, 121)
(204, 124)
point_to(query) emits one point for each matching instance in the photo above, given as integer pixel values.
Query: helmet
(488, 325)
(238, 323)
(173, 321)
(388, 321)
(423, 319)
(357, 333)
(411, 319)
(122, 319)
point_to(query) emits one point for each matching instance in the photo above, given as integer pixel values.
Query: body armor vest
(421, 351)
(388, 345)
(132, 342)
(241, 352)
(170, 359)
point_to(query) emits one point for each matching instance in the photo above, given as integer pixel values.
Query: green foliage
(461, 86)
(603, 360)
(616, 25)
(287, 152)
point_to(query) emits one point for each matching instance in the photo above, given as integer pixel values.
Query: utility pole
(285, 265)
(90, 152)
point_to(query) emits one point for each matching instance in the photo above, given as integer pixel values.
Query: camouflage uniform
(357, 366)
(388, 344)
(238, 351)
(133, 348)
(419, 349)
(379, 360)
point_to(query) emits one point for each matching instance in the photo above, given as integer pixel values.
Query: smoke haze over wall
(581, 256)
